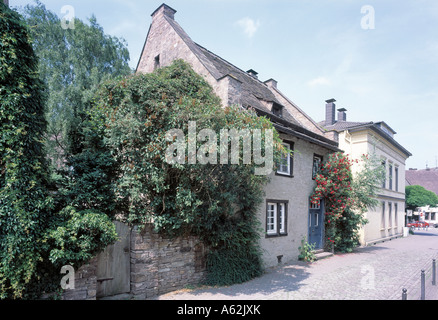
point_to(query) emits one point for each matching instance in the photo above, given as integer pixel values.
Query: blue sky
(316, 50)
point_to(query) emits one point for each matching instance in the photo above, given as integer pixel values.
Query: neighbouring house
(286, 214)
(424, 214)
(358, 138)
(427, 178)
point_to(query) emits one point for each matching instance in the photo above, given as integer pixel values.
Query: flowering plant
(347, 197)
(333, 185)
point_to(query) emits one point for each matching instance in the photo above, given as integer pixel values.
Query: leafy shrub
(216, 202)
(80, 237)
(36, 234)
(306, 251)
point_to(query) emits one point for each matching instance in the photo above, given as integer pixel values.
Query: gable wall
(164, 41)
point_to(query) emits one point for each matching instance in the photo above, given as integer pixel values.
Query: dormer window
(277, 110)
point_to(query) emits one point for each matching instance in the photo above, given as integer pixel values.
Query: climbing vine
(346, 197)
(214, 201)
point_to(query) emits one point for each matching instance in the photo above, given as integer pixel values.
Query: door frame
(319, 209)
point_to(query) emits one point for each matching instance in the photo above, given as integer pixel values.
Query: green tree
(418, 196)
(216, 202)
(24, 200)
(73, 62)
(37, 235)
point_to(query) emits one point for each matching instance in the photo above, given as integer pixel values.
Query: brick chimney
(164, 10)
(271, 83)
(330, 109)
(342, 116)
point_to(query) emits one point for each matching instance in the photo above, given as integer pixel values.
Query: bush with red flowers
(346, 197)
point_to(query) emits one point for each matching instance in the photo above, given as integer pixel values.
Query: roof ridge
(231, 64)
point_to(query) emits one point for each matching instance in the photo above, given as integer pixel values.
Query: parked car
(435, 225)
(418, 224)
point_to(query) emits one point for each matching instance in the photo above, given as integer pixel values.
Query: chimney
(164, 10)
(6, 2)
(252, 73)
(342, 116)
(330, 109)
(271, 83)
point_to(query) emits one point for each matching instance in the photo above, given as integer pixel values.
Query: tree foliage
(418, 196)
(24, 201)
(38, 233)
(216, 202)
(72, 63)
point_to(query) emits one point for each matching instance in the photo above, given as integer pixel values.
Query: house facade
(374, 138)
(286, 215)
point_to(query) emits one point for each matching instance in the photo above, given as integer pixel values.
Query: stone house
(286, 214)
(358, 138)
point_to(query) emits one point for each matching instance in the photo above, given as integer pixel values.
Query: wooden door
(316, 225)
(114, 265)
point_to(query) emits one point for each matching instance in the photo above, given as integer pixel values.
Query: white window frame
(271, 216)
(281, 166)
(282, 217)
(276, 218)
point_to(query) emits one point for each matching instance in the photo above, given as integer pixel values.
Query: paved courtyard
(379, 272)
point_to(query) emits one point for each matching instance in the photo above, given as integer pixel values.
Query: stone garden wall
(158, 265)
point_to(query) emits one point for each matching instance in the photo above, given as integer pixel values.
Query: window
(317, 160)
(157, 62)
(285, 164)
(277, 110)
(384, 179)
(390, 176)
(395, 215)
(389, 215)
(382, 222)
(276, 218)
(396, 178)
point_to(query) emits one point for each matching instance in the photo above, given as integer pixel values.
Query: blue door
(316, 225)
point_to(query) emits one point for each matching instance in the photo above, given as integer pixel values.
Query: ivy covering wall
(215, 202)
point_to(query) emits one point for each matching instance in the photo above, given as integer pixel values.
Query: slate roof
(427, 178)
(343, 125)
(253, 91)
(356, 126)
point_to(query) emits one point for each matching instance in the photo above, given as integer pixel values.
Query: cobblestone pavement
(379, 272)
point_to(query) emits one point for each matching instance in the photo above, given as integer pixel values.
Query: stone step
(320, 254)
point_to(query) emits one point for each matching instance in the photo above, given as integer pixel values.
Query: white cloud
(249, 26)
(320, 81)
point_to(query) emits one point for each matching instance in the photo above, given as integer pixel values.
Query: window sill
(278, 235)
(286, 175)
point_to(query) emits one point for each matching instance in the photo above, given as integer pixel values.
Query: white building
(358, 138)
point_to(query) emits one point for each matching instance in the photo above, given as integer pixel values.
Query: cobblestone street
(379, 272)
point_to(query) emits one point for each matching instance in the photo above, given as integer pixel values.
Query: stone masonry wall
(85, 283)
(158, 265)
